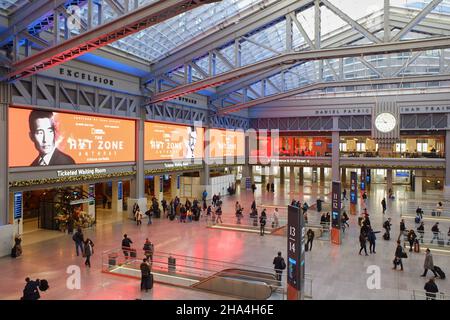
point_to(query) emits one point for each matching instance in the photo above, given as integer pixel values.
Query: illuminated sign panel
(226, 143)
(173, 142)
(46, 138)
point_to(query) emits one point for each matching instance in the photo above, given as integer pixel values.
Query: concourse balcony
(388, 162)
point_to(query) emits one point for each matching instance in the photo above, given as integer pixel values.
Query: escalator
(244, 284)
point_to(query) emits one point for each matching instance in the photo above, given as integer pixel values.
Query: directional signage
(296, 253)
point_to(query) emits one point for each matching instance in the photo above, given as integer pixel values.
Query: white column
(282, 176)
(418, 183)
(89, 207)
(137, 185)
(117, 201)
(389, 179)
(6, 226)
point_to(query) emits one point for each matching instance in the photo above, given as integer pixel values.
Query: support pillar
(271, 174)
(418, 187)
(322, 177)
(263, 174)
(158, 187)
(282, 177)
(300, 176)
(7, 231)
(89, 207)
(137, 185)
(247, 174)
(291, 178)
(344, 177)
(389, 179)
(174, 186)
(335, 156)
(117, 197)
(447, 162)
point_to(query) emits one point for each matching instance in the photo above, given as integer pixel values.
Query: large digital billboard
(226, 143)
(46, 138)
(173, 142)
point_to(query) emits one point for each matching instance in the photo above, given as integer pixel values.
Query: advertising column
(296, 254)
(353, 191)
(336, 213)
(16, 208)
(117, 196)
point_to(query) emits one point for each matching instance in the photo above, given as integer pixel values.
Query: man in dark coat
(431, 289)
(398, 257)
(279, 266)
(145, 275)
(31, 292)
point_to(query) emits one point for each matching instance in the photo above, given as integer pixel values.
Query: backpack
(283, 264)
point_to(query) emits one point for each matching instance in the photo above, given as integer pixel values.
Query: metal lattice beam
(324, 85)
(119, 28)
(292, 58)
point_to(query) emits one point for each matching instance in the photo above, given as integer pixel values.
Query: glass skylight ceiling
(159, 41)
(11, 5)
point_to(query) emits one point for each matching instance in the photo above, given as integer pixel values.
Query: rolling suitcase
(133, 253)
(439, 271)
(441, 242)
(416, 246)
(433, 213)
(386, 236)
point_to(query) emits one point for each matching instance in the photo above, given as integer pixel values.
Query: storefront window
(361, 147)
(342, 146)
(400, 147)
(422, 146)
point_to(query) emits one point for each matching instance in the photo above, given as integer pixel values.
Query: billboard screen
(173, 142)
(46, 138)
(226, 143)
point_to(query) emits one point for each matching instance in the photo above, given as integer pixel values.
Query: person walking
(435, 230)
(279, 266)
(88, 251)
(399, 255)
(411, 239)
(272, 187)
(262, 222)
(126, 245)
(363, 243)
(372, 240)
(421, 231)
(402, 228)
(268, 187)
(276, 221)
(364, 196)
(253, 188)
(344, 194)
(238, 211)
(149, 214)
(79, 240)
(138, 216)
(383, 205)
(148, 250)
(145, 275)
(428, 264)
(431, 289)
(219, 214)
(448, 237)
(310, 240)
(208, 212)
(387, 226)
(345, 219)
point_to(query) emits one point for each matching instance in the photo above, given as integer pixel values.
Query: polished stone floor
(338, 272)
